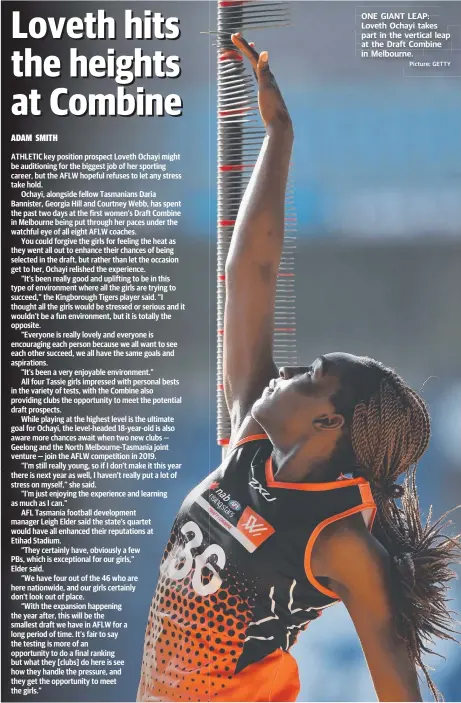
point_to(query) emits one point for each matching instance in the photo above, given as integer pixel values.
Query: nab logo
(254, 527)
(214, 485)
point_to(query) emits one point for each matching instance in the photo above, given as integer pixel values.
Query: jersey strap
(248, 438)
(309, 486)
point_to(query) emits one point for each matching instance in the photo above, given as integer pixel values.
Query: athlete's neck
(298, 466)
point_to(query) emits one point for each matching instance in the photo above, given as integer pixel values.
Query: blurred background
(377, 177)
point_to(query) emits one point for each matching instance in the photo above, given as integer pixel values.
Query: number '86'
(199, 562)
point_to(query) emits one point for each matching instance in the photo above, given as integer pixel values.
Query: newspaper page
(231, 283)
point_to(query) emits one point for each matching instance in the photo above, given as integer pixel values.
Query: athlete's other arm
(359, 572)
(255, 252)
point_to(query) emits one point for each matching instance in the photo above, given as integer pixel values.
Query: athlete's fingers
(259, 62)
(263, 74)
(245, 48)
(262, 68)
(252, 44)
(266, 77)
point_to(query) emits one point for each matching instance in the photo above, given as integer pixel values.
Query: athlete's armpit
(359, 517)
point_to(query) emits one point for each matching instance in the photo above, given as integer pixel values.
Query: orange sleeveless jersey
(236, 586)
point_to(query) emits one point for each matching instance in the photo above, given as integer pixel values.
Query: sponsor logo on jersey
(237, 534)
(254, 527)
(221, 506)
(235, 505)
(254, 483)
(223, 501)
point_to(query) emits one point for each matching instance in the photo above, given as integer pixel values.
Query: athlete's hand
(272, 107)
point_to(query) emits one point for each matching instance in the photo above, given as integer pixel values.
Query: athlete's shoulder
(350, 532)
(350, 556)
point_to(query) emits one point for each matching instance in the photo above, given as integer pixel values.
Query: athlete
(303, 511)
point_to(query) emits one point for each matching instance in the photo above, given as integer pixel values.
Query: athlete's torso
(236, 587)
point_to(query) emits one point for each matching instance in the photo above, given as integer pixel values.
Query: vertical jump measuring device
(240, 136)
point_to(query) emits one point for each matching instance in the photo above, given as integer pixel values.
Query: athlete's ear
(329, 422)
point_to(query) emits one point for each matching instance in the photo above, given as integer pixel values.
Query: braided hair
(388, 432)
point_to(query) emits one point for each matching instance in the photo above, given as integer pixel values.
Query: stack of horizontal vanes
(240, 135)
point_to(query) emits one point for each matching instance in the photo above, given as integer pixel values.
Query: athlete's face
(298, 405)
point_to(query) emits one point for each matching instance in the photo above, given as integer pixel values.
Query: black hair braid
(389, 434)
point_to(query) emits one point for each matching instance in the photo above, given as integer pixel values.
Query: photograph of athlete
(305, 510)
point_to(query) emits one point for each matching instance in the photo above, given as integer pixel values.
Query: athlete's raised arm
(360, 572)
(255, 252)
